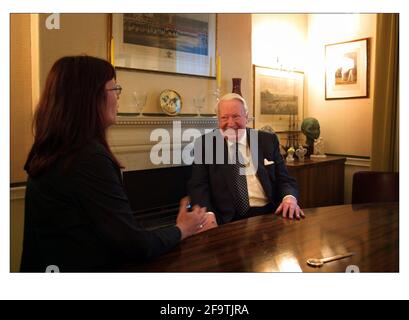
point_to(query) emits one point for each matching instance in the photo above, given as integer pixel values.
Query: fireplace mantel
(155, 121)
(130, 138)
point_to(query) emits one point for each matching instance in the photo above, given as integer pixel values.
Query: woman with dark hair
(77, 215)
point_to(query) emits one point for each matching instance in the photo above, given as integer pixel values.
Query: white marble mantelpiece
(130, 139)
(153, 121)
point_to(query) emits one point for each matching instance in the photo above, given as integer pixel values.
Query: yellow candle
(112, 52)
(218, 71)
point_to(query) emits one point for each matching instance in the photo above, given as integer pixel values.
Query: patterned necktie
(240, 183)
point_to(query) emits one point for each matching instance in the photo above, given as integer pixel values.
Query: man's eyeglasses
(117, 88)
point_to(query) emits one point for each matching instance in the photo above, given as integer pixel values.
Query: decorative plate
(170, 102)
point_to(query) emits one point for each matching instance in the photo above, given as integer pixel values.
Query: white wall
(20, 95)
(297, 42)
(279, 40)
(78, 34)
(346, 125)
(234, 43)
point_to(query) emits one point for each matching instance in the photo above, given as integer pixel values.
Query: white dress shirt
(257, 196)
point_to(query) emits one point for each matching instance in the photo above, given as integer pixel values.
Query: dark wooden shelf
(320, 180)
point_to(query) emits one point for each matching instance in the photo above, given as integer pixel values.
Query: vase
(237, 85)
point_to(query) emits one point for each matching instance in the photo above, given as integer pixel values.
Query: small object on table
(290, 155)
(310, 127)
(300, 153)
(139, 101)
(199, 101)
(319, 148)
(313, 262)
(236, 88)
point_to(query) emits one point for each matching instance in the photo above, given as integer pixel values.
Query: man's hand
(289, 208)
(210, 222)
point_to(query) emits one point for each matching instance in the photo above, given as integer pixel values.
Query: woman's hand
(190, 223)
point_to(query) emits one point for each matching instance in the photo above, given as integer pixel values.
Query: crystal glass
(216, 94)
(139, 99)
(199, 101)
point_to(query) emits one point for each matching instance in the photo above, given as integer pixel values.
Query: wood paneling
(320, 180)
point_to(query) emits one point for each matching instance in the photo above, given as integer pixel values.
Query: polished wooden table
(270, 243)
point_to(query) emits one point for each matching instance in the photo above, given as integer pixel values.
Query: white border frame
(279, 123)
(140, 57)
(346, 91)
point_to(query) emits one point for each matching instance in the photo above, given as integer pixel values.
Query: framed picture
(278, 99)
(346, 70)
(164, 42)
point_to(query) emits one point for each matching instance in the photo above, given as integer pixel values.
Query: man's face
(232, 116)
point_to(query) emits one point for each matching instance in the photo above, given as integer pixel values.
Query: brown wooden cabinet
(320, 180)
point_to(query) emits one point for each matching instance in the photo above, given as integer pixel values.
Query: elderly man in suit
(238, 172)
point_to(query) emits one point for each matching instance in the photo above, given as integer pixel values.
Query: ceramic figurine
(319, 151)
(290, 155)
(300, 153)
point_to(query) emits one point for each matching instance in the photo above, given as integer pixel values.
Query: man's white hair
(233, 96)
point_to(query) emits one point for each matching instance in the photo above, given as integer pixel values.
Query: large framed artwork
(346, 70)
(164, 42)
(278, 99)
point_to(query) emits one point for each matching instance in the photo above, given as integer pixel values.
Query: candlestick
(216, 93)
(112, 53)
(218, 71)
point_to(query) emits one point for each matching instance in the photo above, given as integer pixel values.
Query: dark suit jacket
(211, 187)
(79, 219)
